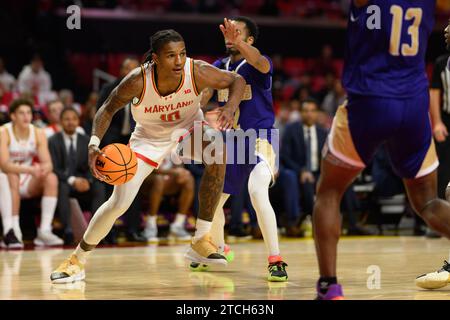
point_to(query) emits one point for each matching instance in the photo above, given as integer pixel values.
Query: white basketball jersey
(22, 151)
(158, 116)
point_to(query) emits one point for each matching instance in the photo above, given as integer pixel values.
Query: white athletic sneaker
(47, 238)
(435, 280)
(180, 233)
(151, 233)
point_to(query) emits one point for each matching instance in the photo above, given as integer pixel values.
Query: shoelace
(279, 265)
(64, 265)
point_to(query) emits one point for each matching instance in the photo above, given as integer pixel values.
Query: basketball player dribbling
(165, 95)
(440, 278)
(255, 112)
(388, 101)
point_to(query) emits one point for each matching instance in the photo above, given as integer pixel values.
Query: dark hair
(159, 39)
(67, 109)
(310, 100)
(53, 101)
(36, 56)
(252, 27)
(20, 102)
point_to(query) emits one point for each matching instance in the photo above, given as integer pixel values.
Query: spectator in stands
(66, 96)
(279, 74)
(440, 118)
(304, 90)
(122, 124)
(34, 79)
(169, 180)
(119, 131)
(334, 98)
(68, 149)
(325, 63)
(282, 118)
(301, 151)
(89, 111)
(5, 100)
(328, 87)
(54, 109)
(301, 148)
(25, 158)
(294, 110)
(7, 80)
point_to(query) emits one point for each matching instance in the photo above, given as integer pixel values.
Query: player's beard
(232, 52)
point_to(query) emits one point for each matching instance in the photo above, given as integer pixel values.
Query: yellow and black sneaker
(277, 270)
(70, 270)
(204, 251)
(199, 267)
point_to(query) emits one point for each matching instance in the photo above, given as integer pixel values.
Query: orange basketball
(118, 165)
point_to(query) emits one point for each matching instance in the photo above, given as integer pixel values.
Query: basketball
(118, 164)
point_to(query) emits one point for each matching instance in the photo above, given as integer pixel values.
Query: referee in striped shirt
(440, 117)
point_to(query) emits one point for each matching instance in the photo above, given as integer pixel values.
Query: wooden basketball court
(160, 272)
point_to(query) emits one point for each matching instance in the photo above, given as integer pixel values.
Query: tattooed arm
(207, 94)
(131, 86)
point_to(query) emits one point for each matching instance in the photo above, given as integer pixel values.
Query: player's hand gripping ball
(118, 164)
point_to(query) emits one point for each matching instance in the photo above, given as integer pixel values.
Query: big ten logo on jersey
(412, 16)
(222, 95)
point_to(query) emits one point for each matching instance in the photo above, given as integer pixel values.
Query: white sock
(81, 254)
(16, 222)
(16, 226)
(5, 204)
(151, 221)
(48, 206)
(202, 227)
(258, 187)
(180, 219)
(218, 223)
